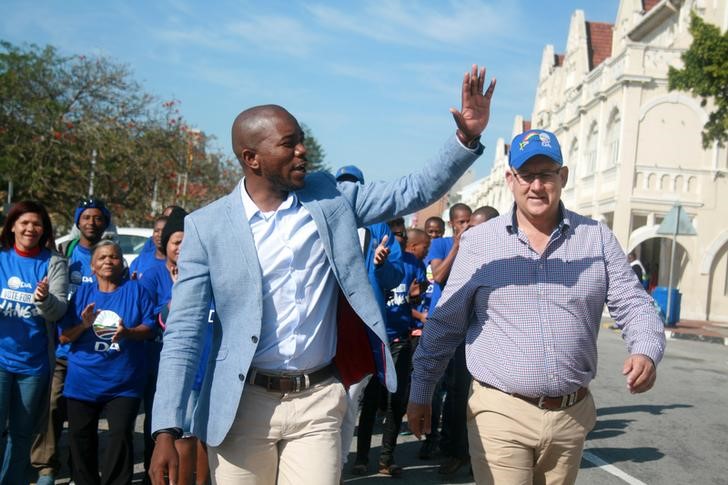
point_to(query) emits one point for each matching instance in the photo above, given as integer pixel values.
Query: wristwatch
(175, 432)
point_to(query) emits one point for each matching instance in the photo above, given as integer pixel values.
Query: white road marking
(596, 461)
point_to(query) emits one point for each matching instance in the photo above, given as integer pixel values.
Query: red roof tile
(559, 60)
(648, 4)
(599, 42)
(526, 125)
(506, 148)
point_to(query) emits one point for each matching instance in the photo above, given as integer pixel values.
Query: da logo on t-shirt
(106, 324)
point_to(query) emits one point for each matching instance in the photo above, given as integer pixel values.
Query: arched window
(573, 159)
(590, 157)
(612, 139)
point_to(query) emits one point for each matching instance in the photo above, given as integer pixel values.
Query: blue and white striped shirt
(530, 321)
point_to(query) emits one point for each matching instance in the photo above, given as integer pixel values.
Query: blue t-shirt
(157, 282)
(399, 310)
(23, 335)
(79, 273)
(79, 268)
(145, 261)
(439, 249)
(206, 348)
(97, 369)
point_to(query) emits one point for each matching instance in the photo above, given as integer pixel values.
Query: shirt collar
(563, 225)
(252, 210)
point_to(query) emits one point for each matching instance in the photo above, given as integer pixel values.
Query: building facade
(634, 148)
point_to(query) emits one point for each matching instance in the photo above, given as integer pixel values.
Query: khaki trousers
(513, 442)
(292, 438)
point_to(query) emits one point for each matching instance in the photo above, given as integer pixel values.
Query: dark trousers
(149, 390)
(83, 424)
(375, 395)
(437, 399)
(454, 438)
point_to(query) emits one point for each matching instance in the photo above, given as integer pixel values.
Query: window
(613, 139)
(590, 157)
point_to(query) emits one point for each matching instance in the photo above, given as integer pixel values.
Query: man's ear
(509, 179)
(564, 174)
(248, 158)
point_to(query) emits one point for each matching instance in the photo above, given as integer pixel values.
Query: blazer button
(241, 377)
(254, 339)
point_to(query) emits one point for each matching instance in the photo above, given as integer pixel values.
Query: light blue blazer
(219, 260)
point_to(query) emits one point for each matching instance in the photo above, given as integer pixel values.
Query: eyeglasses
(400, 234)
(546, 177)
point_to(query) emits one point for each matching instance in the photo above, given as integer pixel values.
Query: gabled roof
(648, 4)
(599, 42)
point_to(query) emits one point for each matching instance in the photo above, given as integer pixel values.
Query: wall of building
(633, 148)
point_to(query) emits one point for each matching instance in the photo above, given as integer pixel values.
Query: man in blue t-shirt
(439, 260)
(149, 258)
(91, 218)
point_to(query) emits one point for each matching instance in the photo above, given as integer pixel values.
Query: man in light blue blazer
(281, 258)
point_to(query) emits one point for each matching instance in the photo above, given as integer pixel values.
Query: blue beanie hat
(91, 203)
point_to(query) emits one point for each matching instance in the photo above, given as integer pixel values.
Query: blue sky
(373, 79)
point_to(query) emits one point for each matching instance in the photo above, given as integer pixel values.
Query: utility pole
(91, 176)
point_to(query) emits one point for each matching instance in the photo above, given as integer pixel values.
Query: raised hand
(382, 252)
(121, 332)
(41, 291)
(475, 111)
(88, 315)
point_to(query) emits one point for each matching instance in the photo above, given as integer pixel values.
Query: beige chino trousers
(292, 438)
(513, 442)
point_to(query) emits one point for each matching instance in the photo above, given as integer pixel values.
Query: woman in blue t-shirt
(33, 287)
(107, 322)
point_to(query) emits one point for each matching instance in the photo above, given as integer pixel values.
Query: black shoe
(427, 449)
(359, 468)
(452, 465)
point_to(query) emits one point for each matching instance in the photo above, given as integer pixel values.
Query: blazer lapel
(237, 222)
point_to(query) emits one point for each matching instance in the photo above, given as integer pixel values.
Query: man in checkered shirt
(526, 292)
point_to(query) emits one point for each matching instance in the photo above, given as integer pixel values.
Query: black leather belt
(548, 402)
(290, 382)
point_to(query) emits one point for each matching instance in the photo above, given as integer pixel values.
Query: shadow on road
(654, 409)
(616, 455)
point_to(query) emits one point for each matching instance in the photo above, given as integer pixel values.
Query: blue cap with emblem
(350, 173)
(532, 143)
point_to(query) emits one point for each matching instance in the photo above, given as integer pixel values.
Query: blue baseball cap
(350, 171)
(532, 143)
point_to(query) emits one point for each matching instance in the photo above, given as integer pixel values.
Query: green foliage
(314, 151)
(706, 75)
(57, 110)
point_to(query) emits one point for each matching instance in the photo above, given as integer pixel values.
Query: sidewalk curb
(671, 334)
(711, 339)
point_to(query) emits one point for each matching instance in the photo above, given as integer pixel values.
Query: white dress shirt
(299, 289)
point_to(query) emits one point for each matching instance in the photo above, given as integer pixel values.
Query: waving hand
(475, 111)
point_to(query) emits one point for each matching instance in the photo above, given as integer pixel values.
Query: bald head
(252, 125)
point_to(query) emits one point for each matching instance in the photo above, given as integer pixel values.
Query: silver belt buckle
(541, 400)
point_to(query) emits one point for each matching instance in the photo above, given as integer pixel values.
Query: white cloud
(462, 23)
(280, 34)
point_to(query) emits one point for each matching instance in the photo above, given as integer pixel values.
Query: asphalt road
(675, 434)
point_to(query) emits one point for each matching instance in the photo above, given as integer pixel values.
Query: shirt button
(540, 265)
(254, 339)
(241, 377)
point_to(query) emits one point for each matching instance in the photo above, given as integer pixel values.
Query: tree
(58, 110)
(706, 75)
(314, 151)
